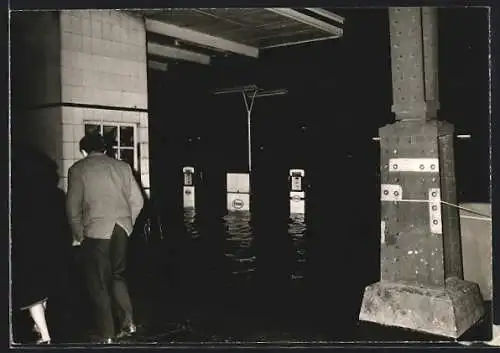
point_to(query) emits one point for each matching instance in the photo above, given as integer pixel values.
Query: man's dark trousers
(104, 262)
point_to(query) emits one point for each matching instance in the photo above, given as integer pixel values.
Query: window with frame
(120, 139)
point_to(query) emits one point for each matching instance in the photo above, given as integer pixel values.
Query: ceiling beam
(298, 42)
(177, 53)
(156, 65)
(200, 38)
(306, 19)
(327, 14)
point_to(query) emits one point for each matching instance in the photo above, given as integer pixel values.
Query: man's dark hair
(93, 142)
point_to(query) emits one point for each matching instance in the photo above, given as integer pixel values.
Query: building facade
(75, 72)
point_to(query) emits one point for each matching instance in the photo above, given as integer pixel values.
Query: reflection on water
(297, 230)
(239, 241)
(192, 229)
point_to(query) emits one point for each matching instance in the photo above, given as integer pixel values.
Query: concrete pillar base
(449, 311)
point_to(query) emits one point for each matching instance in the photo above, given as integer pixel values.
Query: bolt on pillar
(421, 286)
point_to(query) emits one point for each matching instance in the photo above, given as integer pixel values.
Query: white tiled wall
(103, 62)
(103, 58)
(94, 57)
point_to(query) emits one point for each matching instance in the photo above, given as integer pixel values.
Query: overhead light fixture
(249, 93)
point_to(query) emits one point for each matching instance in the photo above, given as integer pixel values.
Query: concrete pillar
(91, 66)
(421, 286)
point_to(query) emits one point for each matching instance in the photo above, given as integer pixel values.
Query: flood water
(240, 248)
(264, 271)
(263, 276)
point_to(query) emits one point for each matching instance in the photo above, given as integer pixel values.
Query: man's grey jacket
(102, 192)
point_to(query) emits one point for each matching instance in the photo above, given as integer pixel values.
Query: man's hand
(76, 243)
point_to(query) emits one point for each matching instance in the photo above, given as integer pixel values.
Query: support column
(421, 286)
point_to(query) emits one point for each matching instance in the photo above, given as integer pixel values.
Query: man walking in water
(103, 203)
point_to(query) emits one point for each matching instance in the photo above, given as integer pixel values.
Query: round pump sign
(238, 204)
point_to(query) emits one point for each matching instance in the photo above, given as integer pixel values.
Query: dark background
(339, 95)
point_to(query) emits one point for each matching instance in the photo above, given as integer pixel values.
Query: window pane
(112, 152)
(126, 136)
(92, 128)
(110, 137)
(127, 156)
(110, 133)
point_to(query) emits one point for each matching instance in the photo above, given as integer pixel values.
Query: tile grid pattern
(103, 62)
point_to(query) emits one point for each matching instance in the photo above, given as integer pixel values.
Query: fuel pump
(188, 188)
(297, 192)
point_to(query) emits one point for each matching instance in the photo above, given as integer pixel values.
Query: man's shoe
(107, 341)
(127, 331)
